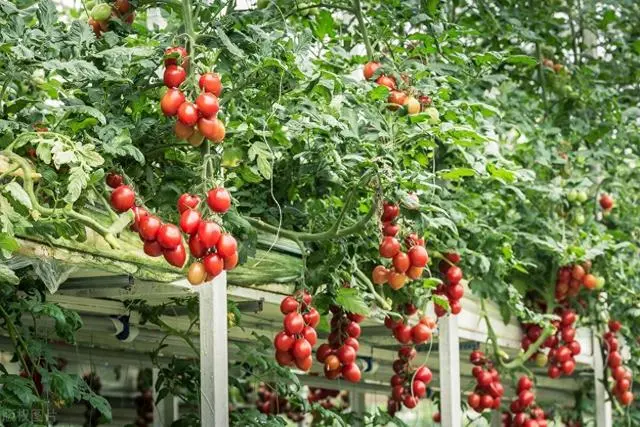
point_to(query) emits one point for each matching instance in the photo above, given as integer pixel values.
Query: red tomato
(152, 248)
(188, 113)
(227, 245)
(524, 383)
(114, 180)
(301, 349)
(304, 364)
(230, 262)
(389, 247)
(353, 329)
(418, 256)
(420, 333)
(212, 129)
(424, 374)
(174, 76)
(283, 341)
(219, 200)
(415, 273)
(183, 131)
(577, 272)
(390, 211)
(390, 229)
(615, 360)
(312, 318)
(402, 333)
(214, 264)
(454, 275)
(293, 323)
(289, 305)
(410, 401)
(351, 373)
(396, 97)
(606, 202)
(323, 352)
(626, 398)
(169, 236)
(187, 201)
(207, 104)
(419, 389)
(474, 401)
(284, 358)
(453, 257)
(401, 262)
(138, 214)
(456, 291)
(209, 234)
(122, 198)
(615, 325)
(370, 69)
(176, 256)
(210, 82)
(387, 81)
(122, 6)
(352, 342)
(190, 221)
(181, 60)
(310, 335)
(196, 247)
(149, 226)
(171, 101)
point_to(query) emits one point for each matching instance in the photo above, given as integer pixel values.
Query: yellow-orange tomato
(397, 280)
(397, 97)
(183, 131)
(332, 363)
(415, 273)
(413, 106)
(196, 139)
(196, 274)
(369, 69)
(379, 275)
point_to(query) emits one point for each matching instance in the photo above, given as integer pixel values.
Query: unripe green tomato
(231, 320)
(582, 196)
(541, 360)
(434, 115)
(600, 283)
(579, 218)
(262, 4)
(101, 12)
(572, 195)
(503, 354)
(580, 160)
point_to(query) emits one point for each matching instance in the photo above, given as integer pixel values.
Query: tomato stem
(357, 10)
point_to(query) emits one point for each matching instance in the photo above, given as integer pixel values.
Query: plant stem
(383, 304)
(357, 10)
(541, 76)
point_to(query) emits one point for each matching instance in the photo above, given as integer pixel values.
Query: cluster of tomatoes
(621, 375)
(295, 343)
(524, 413)
(489, 390)
(451, 288)
(102, 13)
(328, 399)
(341, 350)
(551, 65)
(404, 333)
(199, 120)
(405, 265)
(571, 278)
(397, 98)
(269, 402)
(563, 344)
(408, 384)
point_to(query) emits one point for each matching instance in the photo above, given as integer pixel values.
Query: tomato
(188, 113)
(428, 321)
(174, 76)
(396, 97)
(419, 389)
(219, 200)
(183, 131)
(212, 129)
(331, 362)
(389, 247)
(474, 401)
(387, 81)
(122, 6)
(288, 305)
(130, 18)
(569, 366)
(606, 201)
(456, 306)
(425, 100)
(207, 104)
(323, 352)
(615, 325)
(98, 27)
(138, 214)
(562, 354)
(454, 275)
(171, 101)
(524, 383)
(227, 245)
(413, 240)
(214, 264)
(418, 256)
(412, 105)
(149, 226)
(346, 354)
(456, 291)
(196, 273)
(209, 234)
(351, 373)
(114, 180)
(210, 82)
(178, 56)
(397, 280)
(615, 360)
(196, 247)
(568, 334)
(169, 236)
(401, 262)
(452, 257)
(196, 139)
(414, 273)
(370, 69)
(390, 211)
(626, 398)
(190, 221)
(410, 401)
(379, 275)
(293, 323)
(407, 353)
(353, 329)
(283, 341)
(301, 349)
(176, 256)
(312, 318)
(187, 201)
(402, 333)
(284, 358)
(310, 335)
(100, 12)
(390, 229)
(152, 248)
(230, 262)
(122, 198)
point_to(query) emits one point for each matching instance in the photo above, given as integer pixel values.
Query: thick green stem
(383, 304)
(357, 10)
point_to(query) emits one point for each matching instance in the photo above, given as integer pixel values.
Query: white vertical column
(358, 406)
(604, 416)
(214, 369)
(449, 351)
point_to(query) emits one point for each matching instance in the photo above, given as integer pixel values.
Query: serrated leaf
(264, 166)
(521, 59)
(78, 180)
(501, 173)
(19, 194)
(8, 276)
(324, 24)
(86, 110)
(351, 301)
(47, 15)
(457, 173)
(8, 243)
(232, 48)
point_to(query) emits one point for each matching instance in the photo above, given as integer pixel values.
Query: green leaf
(86, 110)
(78, 180)
(232, 48)
(47, 15)
(501, 173)
(8, 276)
(122, 222)
(457, 173)
(431, 282)
(442, 301)
(324, 24)
(19, 194)
(521, 59)
(432, 7)
(351, 301)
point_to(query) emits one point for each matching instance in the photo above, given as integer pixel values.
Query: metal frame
(450, 408)
(604, 415)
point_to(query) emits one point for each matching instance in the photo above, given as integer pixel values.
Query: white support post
(214, 369)
(449, 350)
(604, 416)
(358, 406)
